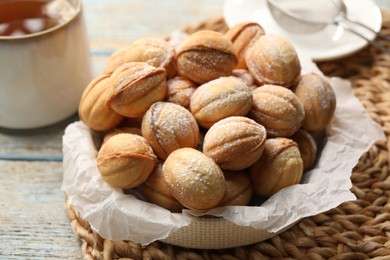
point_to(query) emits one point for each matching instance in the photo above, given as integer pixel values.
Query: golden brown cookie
(92, 109)
(238, 189)
(194, 179)
(280, 166)
(168, 127)
(245, 75)
(307, 147)
(115, 60)
(318, 99)
(125, 161)
(154, 51)
(156, 191)
(220, 98)
(243, 36)
(278, 109)
(121, 130)
(273, 60)
(134, 87)
(206, 55)
(180, 91)
(235, 143)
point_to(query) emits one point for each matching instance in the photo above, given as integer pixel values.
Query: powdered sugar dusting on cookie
(173, 127)
(235, 142)
(206, 55)
(273, 60)
(278, 109)
(220, 98)
(197, 182)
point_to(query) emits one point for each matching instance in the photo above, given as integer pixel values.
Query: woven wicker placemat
(355, 230)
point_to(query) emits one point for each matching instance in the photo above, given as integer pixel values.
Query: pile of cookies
(221, 119)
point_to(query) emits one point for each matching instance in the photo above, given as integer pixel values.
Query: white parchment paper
(115, 215)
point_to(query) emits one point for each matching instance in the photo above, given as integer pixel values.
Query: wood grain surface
(33, 222)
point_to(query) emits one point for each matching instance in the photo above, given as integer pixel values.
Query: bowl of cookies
(222, 142)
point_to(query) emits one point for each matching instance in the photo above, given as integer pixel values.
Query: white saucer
(330, 43)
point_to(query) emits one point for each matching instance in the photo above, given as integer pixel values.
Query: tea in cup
(44, 61)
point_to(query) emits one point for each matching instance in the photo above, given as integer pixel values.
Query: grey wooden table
(33, 221)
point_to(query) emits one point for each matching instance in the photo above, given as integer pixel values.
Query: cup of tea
(44, 61)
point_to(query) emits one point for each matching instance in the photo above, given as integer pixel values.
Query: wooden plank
(34, 224)
(34, 144)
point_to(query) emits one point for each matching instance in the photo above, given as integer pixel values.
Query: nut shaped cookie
(92, 109)
(278, 109)
(273, 60)
(156, 190)
(235, 143)
(307, 147)
(126, 161)
(135, 86)
(168, 127)
(220, 98)
(121, 130)
(238, 189)
(318, 99)
(245, 75)
(115, 60)
(154, 51)
(206, 55)
(194, 179)
(280, 166)
(243, 36)
(180, 91)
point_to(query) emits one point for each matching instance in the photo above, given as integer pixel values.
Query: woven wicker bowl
(217, 233)
(354, 230)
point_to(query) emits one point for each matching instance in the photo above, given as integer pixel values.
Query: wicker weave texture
(355, 230)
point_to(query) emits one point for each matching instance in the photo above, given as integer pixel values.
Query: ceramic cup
(43, 74)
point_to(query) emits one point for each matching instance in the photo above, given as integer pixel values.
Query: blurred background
(113, 24)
